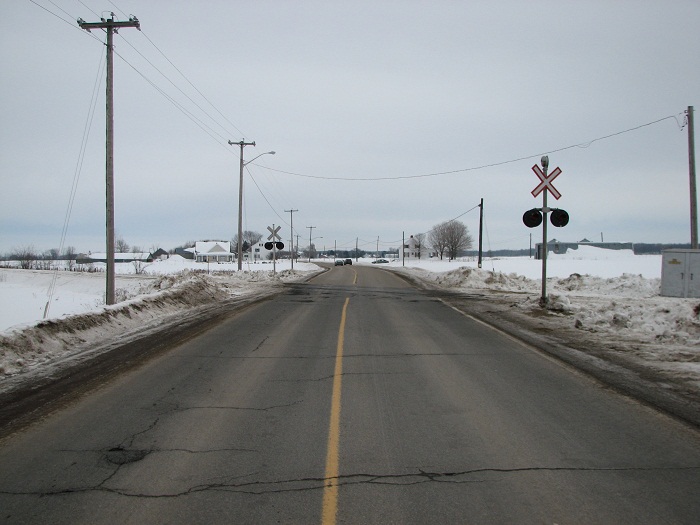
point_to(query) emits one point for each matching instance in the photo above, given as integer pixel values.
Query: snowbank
(82, 322)
(612, 301)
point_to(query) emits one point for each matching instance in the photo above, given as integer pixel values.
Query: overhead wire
(475, 168)
(71, 23)
(265, 197)
(179, 89)
(88, 8)
(76, 177)
(193, 86)
(182, 74)
(202, 125)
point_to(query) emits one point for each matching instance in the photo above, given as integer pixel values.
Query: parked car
(348, 261)
(379, 261)
(339, 262)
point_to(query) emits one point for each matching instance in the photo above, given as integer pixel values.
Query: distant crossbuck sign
(545, 182)
(274, 234)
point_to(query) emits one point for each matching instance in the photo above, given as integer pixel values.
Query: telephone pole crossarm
(109, 23)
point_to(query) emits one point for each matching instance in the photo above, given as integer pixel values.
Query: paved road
(351, 399)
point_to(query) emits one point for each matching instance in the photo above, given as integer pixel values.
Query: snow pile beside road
(47, 340)
(627, 305)
(154, 300)
(623, 315)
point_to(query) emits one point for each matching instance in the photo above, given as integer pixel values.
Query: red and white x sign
(546, 182)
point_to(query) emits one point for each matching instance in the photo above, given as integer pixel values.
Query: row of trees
(29, 258)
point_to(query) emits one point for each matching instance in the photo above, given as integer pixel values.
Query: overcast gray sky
(386, 116)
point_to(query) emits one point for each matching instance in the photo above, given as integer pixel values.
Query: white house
(213, 251)
(260, 253)
(411, 250)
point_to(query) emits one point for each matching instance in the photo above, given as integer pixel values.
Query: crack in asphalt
(225, 407)
(318, 483)
(260, 344)
(344, 374)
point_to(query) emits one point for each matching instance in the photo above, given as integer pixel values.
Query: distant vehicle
(379, 261)
(339, 262)
(348, 261)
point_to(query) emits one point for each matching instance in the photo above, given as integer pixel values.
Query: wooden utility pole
(311, 228)
(693, 186)
(481, 228)
(242, 144)
(291, 234)
(110, 26)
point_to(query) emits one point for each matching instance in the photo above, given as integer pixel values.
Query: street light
(242, 144)
(251, 160)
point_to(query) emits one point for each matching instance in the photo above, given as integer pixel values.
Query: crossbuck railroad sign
(274, 234)
(546, 182)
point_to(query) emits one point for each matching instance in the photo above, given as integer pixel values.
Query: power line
(181, 91)
(475, 168)
(71, 23)
(76, 179)
(197, 121)
(202, 125)
(88, 8)
(193, 86)
(115, 7)
(264, 197)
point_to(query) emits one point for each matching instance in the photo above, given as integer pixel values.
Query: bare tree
(250, 238)
(70, 255)
(310, 251)
(438, 239)
(26, 255)
(457, 238)
(450, 237)
(420, 243)
(120, 245)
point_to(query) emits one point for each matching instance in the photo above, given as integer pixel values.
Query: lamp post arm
(251, 160)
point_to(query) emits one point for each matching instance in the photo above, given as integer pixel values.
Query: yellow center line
(330, 492)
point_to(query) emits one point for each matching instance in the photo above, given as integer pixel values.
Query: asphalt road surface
(353, 398)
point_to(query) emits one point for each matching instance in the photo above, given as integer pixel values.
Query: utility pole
(110, 26)
(291, 234)
(403, 248)
(357, 251)
(242, 144)
(693, 186)
(481, 228)
(311, 228)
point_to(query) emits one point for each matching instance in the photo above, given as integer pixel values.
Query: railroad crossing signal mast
(536, 216)
(110, 26)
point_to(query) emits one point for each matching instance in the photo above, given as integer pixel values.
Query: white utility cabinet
(680, 273)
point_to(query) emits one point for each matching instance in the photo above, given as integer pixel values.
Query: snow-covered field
(605, 294)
